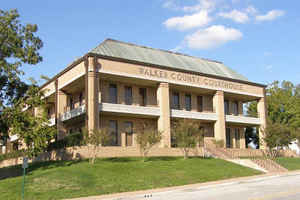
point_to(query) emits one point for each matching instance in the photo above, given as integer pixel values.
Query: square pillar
(240, 107)
(61, 106)
(242, 138)
(163, 124)
(232, 138)
(218, 107)
(92, 94)
(262, 114)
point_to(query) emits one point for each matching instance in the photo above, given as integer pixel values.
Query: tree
(18, 45)
(283, 106)
(277, 136)
(28, 119)
(95, 139)
(146, 138)
(186, 134)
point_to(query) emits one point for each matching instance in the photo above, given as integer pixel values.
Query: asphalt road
(277, 187)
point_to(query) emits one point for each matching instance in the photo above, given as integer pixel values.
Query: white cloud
(269, 68)
(188, 21)
(271, 15)
(235, 15)
(251, 10)
(212, 36)
(170, 4)
(207, 5)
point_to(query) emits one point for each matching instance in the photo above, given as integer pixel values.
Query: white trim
(243, 119)
(13, 138)
(71, 80)
(176, 82)
(193, 115)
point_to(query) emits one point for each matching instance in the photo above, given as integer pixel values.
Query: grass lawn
(289, 163)
(67, 179)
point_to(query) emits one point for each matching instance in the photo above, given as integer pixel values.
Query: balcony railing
(194, 115)
(243, 119)
(73, 113)
(129, 109)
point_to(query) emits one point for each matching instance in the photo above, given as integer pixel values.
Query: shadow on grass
(120, 159)
(17, 170)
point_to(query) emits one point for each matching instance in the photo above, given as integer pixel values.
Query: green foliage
(71, 140)
(10, 155)
(283, 110)
(186, 135)
(28, 119)
(147, 137)
(277, 136)
(18, 45)
(94, 139)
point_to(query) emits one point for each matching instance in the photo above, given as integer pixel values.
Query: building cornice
(79, 60)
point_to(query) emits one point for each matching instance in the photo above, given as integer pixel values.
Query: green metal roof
(117, 49)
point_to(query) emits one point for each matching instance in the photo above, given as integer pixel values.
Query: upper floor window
(200, 103)
(226, 107)
(188, 102)
(235, 108)
(175, 100)
(71, 103)
(80, 99)
(113, 93)
(143, 96)
(128, 95)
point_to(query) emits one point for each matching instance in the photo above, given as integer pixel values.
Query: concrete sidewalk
(206, 185)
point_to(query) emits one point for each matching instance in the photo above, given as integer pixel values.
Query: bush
(75, 139)
(14, 154)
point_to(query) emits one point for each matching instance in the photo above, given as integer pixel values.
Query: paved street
(277, 187)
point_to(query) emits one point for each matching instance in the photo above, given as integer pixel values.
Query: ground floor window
(113, 131)
(128, 131)
(228, 138)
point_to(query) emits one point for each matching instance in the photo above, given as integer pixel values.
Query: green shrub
(75, 139)
(14, 154)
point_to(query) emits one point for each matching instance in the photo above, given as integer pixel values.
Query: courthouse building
(120, 86)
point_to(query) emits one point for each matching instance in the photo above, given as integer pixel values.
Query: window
(175, 100)
(228, 138)
(113, 93)
(80, 99)
(128, 131)
(235, 108)
(226, 107)
(113, 131)
(188, 102)
(200, 103)
(128, 95)
(143, 96)
(71, 103)
(49, 112)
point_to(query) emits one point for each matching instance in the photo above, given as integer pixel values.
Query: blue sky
(259, 39)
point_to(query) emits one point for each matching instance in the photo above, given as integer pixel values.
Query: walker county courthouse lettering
(177, 76)
(121, 86)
